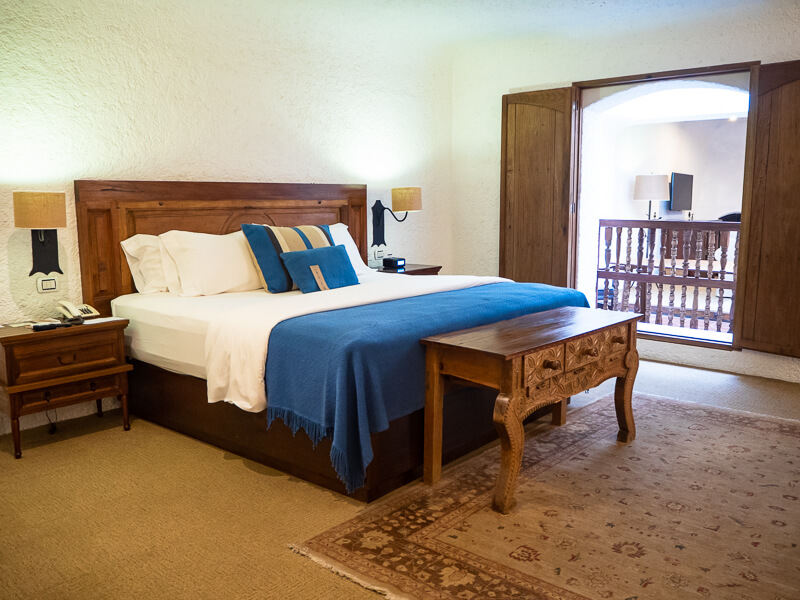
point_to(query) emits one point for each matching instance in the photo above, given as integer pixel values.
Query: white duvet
(237, 339)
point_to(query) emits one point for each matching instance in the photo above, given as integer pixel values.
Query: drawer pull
(47, 396)
(61, 360)
(591, 352)
(618, 339)
(553, 365)
(93, 386)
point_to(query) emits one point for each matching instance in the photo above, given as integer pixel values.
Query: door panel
(535, 191)
(769, 285)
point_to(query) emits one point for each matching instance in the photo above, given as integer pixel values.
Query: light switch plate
(45, 285)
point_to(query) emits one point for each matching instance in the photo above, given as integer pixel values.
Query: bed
(111, 211)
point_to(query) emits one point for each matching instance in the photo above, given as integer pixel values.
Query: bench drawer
(540, 366)
(593, 347)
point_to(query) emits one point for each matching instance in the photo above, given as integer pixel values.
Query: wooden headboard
(111, 211)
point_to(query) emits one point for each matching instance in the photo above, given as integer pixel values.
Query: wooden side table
(412, 269)
(41, 370)
(534, 361)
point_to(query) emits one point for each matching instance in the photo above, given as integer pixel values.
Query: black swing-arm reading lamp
(405, 199)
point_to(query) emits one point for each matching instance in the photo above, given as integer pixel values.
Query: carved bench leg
(512, 441)
(622, 399)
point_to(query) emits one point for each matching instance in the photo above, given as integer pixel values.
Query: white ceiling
(460, 21)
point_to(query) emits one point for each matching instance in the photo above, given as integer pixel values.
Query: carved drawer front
(48, 360)
(591, 348)
(70, 393)
(616, 339)
(543, 365)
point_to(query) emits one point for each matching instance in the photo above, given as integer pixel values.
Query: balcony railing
(692, 257)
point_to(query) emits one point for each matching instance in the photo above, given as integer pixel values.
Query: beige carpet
(703, 504)
(93, 512)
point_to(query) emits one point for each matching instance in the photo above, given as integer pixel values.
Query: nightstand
(42, 370)
(416, 270)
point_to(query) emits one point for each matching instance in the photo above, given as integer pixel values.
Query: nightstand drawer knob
(93, 385)
(618, 339)
(47, 396)
(553, 365)
(61, 360)
(591, 352)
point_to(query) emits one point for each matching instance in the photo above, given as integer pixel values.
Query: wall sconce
(42, 213)
(651, 187)
(405, 199)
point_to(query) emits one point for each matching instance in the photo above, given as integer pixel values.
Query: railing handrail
(672, 225)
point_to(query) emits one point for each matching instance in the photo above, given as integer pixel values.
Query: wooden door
(537, 187)
(768, 287)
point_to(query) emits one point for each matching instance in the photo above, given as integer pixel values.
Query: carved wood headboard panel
(111, 211)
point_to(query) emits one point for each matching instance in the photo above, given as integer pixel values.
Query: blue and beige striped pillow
(267, 243)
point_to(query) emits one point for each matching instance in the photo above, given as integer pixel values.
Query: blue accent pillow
(320, 268)
(267, 243)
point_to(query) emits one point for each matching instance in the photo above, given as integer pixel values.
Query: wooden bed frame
(111, 211)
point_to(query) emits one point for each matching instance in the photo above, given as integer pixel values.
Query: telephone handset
(70, 310)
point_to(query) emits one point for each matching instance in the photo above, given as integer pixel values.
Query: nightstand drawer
(77, 354)
(70, 393)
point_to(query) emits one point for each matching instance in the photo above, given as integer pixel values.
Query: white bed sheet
(223, 338)
(169, 331)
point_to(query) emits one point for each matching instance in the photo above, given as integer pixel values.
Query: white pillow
(210, 264)
(143, 253)
(341, 236)
(170, 271)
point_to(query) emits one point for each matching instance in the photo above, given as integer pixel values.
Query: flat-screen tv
(680, 192)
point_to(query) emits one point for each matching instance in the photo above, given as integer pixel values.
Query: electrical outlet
(45, 285)
(379, 253)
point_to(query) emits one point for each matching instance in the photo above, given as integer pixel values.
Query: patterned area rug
(703, 504)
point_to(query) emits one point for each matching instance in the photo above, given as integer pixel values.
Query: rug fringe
(342, 572)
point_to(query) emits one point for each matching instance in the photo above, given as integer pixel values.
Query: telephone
(71, 311)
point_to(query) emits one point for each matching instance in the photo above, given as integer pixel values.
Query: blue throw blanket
(347, 373)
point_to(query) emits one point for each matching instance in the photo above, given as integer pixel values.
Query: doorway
(660, 194)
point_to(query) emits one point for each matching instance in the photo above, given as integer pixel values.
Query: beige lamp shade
(651, 187)
(406, 199)
(40, 210)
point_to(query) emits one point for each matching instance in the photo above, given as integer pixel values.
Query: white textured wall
(213, 90)
(684, 36)
(230, 90)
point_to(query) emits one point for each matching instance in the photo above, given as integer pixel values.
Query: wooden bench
(534, 361)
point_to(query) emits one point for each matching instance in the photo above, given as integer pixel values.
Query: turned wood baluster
(698, 255)
(639, 259)
(711, 249)
(617, 269)
(651, 244)
(733, 291)
(660, 286)
(687, 246)
(723, 262)
(626, 286)
(673, 260)
(609, 234)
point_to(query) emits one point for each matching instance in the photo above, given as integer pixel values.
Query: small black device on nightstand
(393, 262)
